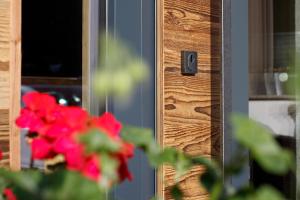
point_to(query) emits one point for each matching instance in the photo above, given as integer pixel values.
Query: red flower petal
(41, 149)
(1, 155)
(108, 123)
(30, 120)
(127, 150)
(8, 193)
(57, 130)
(91, 168)
(75, 158)
(40, 102)
(64, 144)
(123, 170)
(75, 117)
(55, 114)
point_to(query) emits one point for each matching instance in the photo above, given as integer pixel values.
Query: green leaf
(216, 191)
(142, 138)
(120, 69)
(182, 165)
(155, 198)
(97, 141)
(211, 179)
(108, 170)
(60, 186)
(25, 179)
(69, 185)
(176, 192)
(262, 193)
(262, 146)
(267, 192)
(208, 179)
(167, 155)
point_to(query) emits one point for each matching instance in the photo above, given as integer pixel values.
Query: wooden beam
(15, 83)
(10, 80)
(159, 92)
(188, 107)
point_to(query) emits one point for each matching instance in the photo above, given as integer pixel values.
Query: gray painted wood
(235, 75)
(134, 22)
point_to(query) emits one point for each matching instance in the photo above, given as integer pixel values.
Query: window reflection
(273, 37)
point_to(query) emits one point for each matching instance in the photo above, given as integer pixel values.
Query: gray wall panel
(134, 22)
(235, 75)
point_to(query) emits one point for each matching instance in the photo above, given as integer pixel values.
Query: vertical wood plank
(10, 78)
(4, 136)
(15, 83)
(189, 107)
(4, 80)
(159, 92)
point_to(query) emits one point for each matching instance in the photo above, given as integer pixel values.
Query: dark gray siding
(134, 22)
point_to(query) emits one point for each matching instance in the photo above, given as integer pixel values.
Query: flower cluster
(57, 129)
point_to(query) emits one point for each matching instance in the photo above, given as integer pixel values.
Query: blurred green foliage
(251, 136)
(61, 185)
(120, 69)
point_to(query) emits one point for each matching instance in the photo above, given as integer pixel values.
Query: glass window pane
(273, 36)
(51, 54)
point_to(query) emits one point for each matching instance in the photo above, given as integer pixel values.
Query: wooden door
(10, 78)
(189, 116)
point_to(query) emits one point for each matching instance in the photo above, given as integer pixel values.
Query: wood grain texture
(10, 78)
(15, 83)
(189, 107)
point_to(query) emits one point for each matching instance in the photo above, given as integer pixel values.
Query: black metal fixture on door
(189, 62)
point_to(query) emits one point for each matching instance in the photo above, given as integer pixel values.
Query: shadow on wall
(216, 77)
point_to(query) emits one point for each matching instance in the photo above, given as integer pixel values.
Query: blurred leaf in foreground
(262, 193)
(120, 69)
(60, 185)
(262, 146)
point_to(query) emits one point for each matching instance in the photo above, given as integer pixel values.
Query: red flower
(91, 168)
(56, 130)
(8, 193)
(75, 117)
(41, 149)
(75, 158)
(39, 102)
(109, 124)
(127, 150)
(28, 119)
(64, 144)
(54, 115)
(123, 171)
(1, 155)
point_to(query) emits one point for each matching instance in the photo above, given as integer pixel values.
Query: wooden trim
(272, 98)
(15, 82)
(188, 107)
(86, 54)
(159, 93)
(33, 80)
